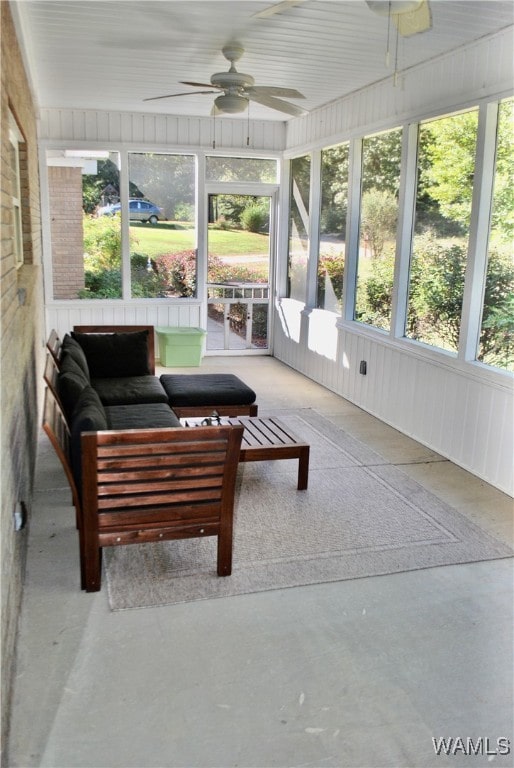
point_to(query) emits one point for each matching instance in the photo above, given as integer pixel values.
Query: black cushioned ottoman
(190, 394)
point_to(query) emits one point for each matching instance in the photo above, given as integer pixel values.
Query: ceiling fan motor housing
(232, 80)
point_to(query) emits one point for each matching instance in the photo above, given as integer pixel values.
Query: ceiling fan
(235, 89)
(409, 16)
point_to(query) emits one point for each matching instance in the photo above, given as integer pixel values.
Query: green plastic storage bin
(180, 347)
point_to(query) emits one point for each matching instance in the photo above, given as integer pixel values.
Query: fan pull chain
(248, 126)
(388, 57)
(396, 73)
(214, 129)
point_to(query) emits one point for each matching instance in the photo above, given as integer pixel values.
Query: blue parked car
(139, 210)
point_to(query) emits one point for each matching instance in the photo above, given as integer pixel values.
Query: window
(15, 140)
(381, 160)
(334, 204)
(496, 345)
(243, 169)
(299, 228)
(85, 230)
(446, 164)
(162, 225)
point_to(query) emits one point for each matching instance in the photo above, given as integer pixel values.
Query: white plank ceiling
(112, 54)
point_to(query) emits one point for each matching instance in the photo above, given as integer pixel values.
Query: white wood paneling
(457, 412)
(73, 125)
(64, 315)
(480, 69)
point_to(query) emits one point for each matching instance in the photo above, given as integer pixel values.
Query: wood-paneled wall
(464, 414)
(165, 131)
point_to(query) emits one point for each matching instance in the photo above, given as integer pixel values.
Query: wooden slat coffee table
(267, 440)
(270, 440)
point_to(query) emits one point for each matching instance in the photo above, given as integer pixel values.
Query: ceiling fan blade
(271, 90)
(281, 106)
(199, 85)
(413, 22)
(276, 8)
(172, 95)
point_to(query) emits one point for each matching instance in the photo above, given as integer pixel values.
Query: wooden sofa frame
(156, 485)
(148, 485)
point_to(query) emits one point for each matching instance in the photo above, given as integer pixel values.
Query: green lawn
(166, 237)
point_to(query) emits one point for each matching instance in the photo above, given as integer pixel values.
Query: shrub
(379, 214)
(184, 212)
(221, 272)
(496, 339)
(104, 284)
(436, 291)
(255, 217)
(145, 282)
(178, 272)
(331, 266)
(374, 303)
(102, 242)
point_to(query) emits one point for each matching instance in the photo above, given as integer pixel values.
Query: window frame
(15, 139)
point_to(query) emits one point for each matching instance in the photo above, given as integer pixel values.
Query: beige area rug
(359, 517)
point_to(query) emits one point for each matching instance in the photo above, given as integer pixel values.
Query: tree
(447, 171)
(93, 185)
(334, 190)
(379, 215)
(502, 217)
(166, 180)
(381, 156)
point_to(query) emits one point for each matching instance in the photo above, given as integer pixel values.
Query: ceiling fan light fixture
(384, 7)
(231, 103)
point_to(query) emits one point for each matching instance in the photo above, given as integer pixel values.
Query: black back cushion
(89, 416)
(71, 381)
(113, 355)
(73, 349)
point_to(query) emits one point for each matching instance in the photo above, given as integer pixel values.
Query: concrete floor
(356, 673)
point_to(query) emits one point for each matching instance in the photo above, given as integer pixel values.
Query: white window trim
(15, 139)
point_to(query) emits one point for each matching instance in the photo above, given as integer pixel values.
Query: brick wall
(21, 345)
(65, 195)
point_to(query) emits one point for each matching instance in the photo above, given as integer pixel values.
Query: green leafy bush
(102, 242)
(255, 217)
(374, 303)
(436, 291)
(379, 214)
(104, 284)
(497, 336)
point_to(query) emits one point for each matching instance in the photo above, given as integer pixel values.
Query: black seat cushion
(187, 390)
(130, 390)
(149, 416)
(115, 354)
